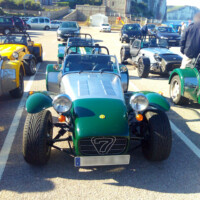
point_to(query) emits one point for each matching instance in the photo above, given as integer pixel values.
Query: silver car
(39, 23)
(55, 24)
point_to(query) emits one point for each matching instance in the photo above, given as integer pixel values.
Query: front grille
(103, 146)
(172, 66)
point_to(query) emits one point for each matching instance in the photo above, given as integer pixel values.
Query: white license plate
(172, 40)
(89, 161)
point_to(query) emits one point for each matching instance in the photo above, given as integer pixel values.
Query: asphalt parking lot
(176, 178)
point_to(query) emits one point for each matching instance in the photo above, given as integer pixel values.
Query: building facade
(46, 2)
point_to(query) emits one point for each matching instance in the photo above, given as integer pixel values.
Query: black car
(67, 29)
(169, 34)
(129, 32)
(7, 25)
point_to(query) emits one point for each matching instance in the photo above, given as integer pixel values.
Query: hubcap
(175, 90)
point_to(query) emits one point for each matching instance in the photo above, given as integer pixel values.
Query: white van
(39, 23)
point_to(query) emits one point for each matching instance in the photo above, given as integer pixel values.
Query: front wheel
(158, 141)
(175, 91)
(143, 67)
(31, 68)
(37, 134)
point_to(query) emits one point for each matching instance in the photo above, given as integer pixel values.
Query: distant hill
(181, 12)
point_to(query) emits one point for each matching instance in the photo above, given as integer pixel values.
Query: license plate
(172, 40)
(89, 161)
(67, 34)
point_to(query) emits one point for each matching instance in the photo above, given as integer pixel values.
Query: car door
(34, 23)
(41, 23)
(135, 48)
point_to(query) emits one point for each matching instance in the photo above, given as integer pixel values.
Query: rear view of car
(20, 25)
(7, 25)
(105, 28)
(39, 23)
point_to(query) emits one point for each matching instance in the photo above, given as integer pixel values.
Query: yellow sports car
(18, 46)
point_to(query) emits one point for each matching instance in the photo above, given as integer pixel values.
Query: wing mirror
(30, 43)
(56, 67)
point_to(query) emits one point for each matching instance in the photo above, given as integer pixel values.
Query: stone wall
(84, 11)
(51, 14)
(72, 16)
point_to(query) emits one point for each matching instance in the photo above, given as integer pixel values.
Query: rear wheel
(37, 134)
(46, 28)
(31, 68)
(158, 142)
(18, 92)
(143, 67)
(175, 91)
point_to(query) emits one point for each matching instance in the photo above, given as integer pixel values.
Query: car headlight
(59, 31)
(15, 55)
(164, 38)
(157, 58)
(125, 35)
(62, 103)
(139, 102)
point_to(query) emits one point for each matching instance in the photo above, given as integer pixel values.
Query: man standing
(190, 42)
(183, 28)
(145, 30)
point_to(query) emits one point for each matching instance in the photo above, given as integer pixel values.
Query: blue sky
(184, 2)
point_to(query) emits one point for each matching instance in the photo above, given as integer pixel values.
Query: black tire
(143, 67)
(40, 59)
(158, 142)
(175, 91)
(31, 67)
(58, 39)
(18, 92)
(6, 31)
(46, 28)
(37, 134)
(123, 56)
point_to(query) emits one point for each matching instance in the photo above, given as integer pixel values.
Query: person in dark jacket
(190, 42)
(145, 30)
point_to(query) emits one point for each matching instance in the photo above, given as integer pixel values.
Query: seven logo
(103, 145)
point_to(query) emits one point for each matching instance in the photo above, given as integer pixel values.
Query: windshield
(13, 39)
(92, 63)
(151, 26)
(69, 25)
(105, 25)
(166, 30)
(79, 42)
(132, 27)
(153, 42)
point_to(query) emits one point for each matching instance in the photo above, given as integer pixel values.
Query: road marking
(178, 132)
(6, 148)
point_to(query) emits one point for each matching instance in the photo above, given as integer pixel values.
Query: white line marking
(6, 148)
(178, 132)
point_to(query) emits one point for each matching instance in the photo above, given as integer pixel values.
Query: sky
(195, 3)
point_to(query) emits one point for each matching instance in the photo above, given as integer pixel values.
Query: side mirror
(30, 43)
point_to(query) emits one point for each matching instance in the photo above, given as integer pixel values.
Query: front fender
(38, 102)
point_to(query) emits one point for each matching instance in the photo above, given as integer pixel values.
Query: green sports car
(185, 83)
(97, 117)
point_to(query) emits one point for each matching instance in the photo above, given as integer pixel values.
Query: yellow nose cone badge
(102, 116)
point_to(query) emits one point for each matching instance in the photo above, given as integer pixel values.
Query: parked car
(169, 34)
(77, 40)
(98, 124)
(67, 29)
(129, 31)
(18, 46)
(20, 25)
(11, 77)
(39, 23)
(151, 28)
(185, 83)
(105, 28)
(150, 55)
(7, 25)
(55, 24)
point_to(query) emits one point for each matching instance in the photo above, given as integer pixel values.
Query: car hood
(92, 85)
(8, 49)
(168, 34)
(157, 51)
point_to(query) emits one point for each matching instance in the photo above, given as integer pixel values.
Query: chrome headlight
(59, 31)
(15, 55)
(139, 102)
(164, 38)
(62, 103)
(125, 35)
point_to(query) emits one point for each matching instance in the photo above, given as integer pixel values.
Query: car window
(41, 20)
(34, 20)
(136, 44)
(69, 25)
(93, 63)
(7, 20)
(105, 25)
(46, 20)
